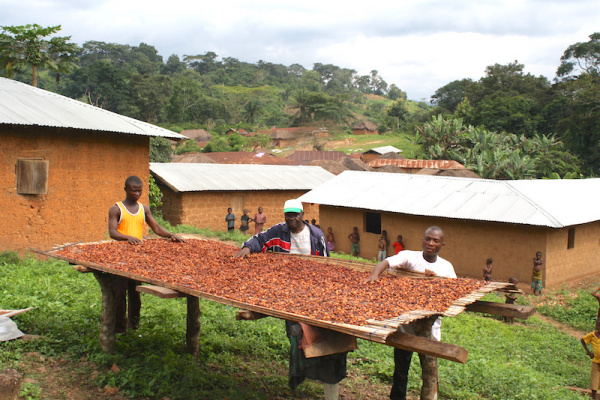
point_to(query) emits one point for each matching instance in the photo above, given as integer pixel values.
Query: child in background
(536, 277)
(354, 240)
(330, 239)
(510, 299)
(245, 219)
(383, 244)
(399, 245)
(594, 339)
(487, 270)
(597, 296)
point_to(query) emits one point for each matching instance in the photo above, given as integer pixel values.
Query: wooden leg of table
(429, 364)
(108, 284)
(193, 325)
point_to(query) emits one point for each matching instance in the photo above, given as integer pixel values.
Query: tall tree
(581, 57)
(26, 46)
(580, 86)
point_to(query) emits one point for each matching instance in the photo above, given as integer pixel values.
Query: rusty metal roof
(22, 104)
(554, 203)
(182, 177)
(306, 156)
(412, 164)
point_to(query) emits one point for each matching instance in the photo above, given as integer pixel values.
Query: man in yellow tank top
(126, 222)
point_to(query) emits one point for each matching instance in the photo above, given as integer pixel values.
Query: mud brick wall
(208, 209)
(87, 171)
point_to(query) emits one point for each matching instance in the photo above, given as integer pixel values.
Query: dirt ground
(60, 379)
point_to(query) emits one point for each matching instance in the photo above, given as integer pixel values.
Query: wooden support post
(108, 285)
(429, 364)
(10, 384)
(430, 347)
(193, 325)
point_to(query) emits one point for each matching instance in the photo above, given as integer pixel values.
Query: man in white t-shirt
(429, 263)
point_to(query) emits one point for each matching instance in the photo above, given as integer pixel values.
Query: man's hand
(371, 279)
(243, 252)
(429, 272)
(133, 240)
(176, 238)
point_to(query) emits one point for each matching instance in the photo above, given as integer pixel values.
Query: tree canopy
(27, 46)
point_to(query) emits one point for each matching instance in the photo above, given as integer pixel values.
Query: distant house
(201, 136)
(365, 128)
(199, 194)
(376, 152)
(233, 157)
(63, 165)
(506, 220)
(286, 137)
(424, 167)
(301, 157)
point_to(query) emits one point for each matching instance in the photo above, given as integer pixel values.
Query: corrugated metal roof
(410, 163)
(22, 104)
(552, 203)
(182, 177)
(384, 149)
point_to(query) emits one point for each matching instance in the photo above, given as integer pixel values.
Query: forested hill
(507, 116)
(200, 89)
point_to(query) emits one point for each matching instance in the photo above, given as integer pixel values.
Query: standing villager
(330, 239)
(230, 219)
(429, 263)
(487, 270)
(295, 236)
(382, 245)
(594, 339)
(354, 242)
(597, 296)
(244, 221)
(398, 245)
(126, 222)
(536, 276)
(510, 299)
(259, 219)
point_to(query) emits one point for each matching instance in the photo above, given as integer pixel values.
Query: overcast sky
(419, 45)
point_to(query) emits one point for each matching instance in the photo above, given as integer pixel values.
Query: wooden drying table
(385, 332)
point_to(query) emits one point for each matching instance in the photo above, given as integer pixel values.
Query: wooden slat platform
(377, 331)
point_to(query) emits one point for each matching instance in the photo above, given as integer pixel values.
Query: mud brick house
(199, 194)
(201, 136)
(62, 165)
(285, 137)
(365, 128)
(506, 220)
(423, 167)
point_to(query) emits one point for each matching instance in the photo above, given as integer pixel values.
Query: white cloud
(420, 45)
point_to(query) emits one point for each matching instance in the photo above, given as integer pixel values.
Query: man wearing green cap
(296, 236)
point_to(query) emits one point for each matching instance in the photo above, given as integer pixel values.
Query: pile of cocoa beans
(291, 284)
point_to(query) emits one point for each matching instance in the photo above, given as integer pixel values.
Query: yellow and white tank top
(131, 224)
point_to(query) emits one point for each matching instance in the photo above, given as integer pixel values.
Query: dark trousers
(402, 359)
(127, 298)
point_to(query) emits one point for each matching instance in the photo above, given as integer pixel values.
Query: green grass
(248, 359)
(574, 307)
(362, 143)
